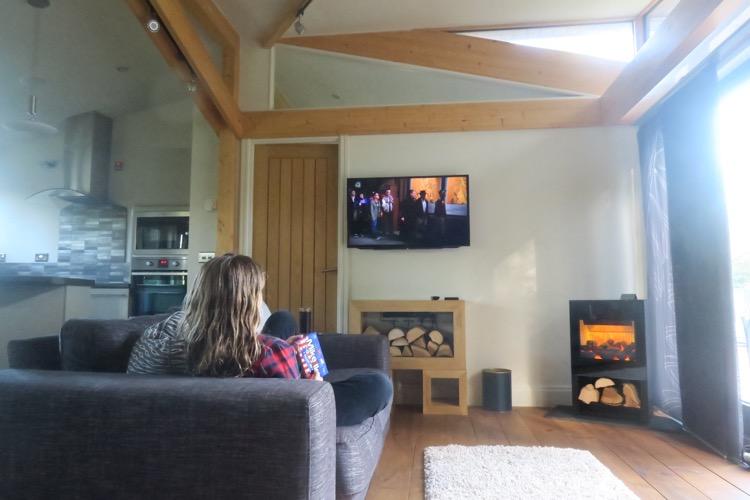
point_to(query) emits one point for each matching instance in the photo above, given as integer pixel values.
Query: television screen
(408, 212)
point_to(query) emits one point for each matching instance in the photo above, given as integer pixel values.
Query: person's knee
(280, 324)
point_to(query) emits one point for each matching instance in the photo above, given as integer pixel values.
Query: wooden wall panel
(298, 179)
(308, 236)
(319, 300)
(260, 207)
(285, 233)
(272, 257)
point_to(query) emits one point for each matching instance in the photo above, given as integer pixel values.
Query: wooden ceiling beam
(475, 56)
(186, 37)
(213, 21)
(460, 117)
(283, 25)
(691, 33)
(172, 56)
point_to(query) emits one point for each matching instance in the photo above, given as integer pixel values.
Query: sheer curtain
(663, 368)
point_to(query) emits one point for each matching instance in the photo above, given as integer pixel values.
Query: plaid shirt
(278, 359)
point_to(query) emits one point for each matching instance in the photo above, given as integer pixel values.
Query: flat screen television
(408, 212)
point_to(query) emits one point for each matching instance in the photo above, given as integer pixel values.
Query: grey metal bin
(496, 389)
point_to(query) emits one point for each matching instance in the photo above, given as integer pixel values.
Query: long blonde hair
(222, 316)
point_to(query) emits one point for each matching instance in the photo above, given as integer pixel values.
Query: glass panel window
(734, 158)
(614, 41)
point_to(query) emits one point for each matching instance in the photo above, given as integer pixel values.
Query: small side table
(433, 407)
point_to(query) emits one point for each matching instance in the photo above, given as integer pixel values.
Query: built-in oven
(158, 284)
(159, 232)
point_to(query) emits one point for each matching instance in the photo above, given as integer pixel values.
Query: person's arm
(279, 360)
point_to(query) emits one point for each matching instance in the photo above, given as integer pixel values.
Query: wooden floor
(650, 463)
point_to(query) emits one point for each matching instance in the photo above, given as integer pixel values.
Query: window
(734, 158)
(614, 41)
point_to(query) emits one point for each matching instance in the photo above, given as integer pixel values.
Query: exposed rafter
(505, 115)
(285, 23)
(174, 60)
(475, 56)
(213, 21)
(686, 38)
(187, 39)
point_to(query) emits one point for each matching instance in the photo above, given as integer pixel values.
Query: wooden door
(295, 227)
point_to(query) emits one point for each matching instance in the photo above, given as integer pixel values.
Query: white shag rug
(517, 472)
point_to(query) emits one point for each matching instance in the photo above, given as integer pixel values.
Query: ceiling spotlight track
(298, 26)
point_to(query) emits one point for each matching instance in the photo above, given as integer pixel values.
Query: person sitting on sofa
(217, 334)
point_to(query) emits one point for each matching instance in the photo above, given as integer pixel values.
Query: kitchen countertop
(59, 281)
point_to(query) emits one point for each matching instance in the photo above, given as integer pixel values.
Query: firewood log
(432, 347)
(436, 337)
(420, 352)
(631, 396)
(415, 333)
(588, 394)
(603, 382)
(444, 351)
(396, 333)
(611, 397)
(395, 351)
(401, 341)
(407, 352)
(420, 343)
(371, 331)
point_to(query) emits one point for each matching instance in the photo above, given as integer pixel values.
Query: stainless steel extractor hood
(88, 140)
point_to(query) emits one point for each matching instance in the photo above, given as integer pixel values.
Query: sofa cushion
(101, 345)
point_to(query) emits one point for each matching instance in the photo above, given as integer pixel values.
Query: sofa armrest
(112, 435)
(40, 353)
(355, 351)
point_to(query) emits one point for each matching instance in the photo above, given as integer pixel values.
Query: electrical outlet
(41, 257)
(205, 256)
(2, 257)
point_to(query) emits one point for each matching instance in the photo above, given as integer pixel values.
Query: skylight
(614, 41)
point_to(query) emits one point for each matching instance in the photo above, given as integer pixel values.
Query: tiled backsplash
(92, 245)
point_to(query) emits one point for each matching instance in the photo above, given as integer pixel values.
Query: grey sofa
(74, 425)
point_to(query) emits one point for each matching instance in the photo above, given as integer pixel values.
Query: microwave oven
(162, 232)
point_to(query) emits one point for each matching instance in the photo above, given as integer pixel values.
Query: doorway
(295, 227)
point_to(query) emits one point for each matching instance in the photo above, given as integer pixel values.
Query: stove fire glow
(607, 342)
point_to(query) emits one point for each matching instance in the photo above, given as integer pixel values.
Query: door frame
(246, 213)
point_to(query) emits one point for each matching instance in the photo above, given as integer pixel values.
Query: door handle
(330, 270)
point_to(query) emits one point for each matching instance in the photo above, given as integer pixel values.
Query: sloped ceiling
(81, 45)
(255, 19)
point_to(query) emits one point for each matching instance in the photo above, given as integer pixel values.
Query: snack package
(310, 355)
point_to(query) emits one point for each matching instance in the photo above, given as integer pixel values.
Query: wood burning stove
(608, 358)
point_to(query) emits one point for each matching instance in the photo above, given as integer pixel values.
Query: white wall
(256, 73)
(29, 226)
(553, 217)
(203, 186)
(155, 145)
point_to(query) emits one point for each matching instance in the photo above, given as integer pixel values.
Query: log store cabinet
(424, 335)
